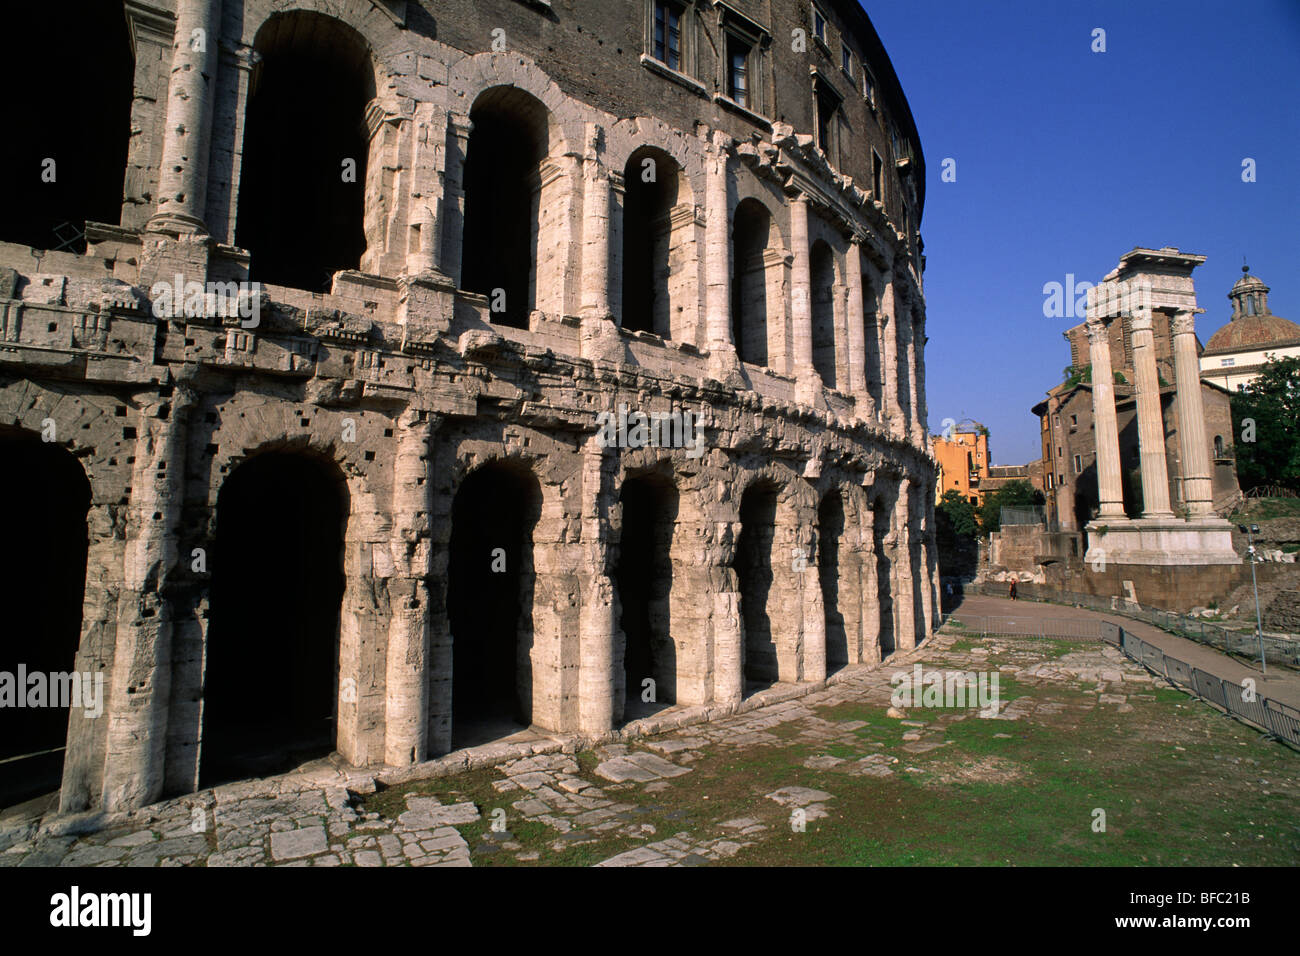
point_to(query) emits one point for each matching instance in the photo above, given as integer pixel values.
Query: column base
(1160, 541)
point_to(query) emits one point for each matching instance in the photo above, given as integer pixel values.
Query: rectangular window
(1078, 464)
(827, 104)
(877, 176)
(668, 34)
(738, 85)
(868, 87)
(1074, 419)
(819, 25)
(846, 63)
(1227, 361)
(1050, 486)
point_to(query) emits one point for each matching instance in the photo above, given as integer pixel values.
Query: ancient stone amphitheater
(312, 316)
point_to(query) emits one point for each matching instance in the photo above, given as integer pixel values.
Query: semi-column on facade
(191, 90)
(406, 717)
(717, 265)
(1198, 488)
(889, 329)
(857, 332)
(599, 617)
(801, 295)
(1151, 425)
(904, 597)
(1109, 481)
(141, 679)
(915, 360)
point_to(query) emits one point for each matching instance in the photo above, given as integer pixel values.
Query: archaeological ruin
(308, 314)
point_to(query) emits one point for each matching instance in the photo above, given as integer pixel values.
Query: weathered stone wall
(398, 384)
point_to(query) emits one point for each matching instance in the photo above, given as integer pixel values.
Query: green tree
(1266, 421)
(1014, 494)
(959, 512)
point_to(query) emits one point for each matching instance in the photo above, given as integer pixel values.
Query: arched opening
(881, 509)
(657, 228)
(754, 569)
(504, 202)
(821, 267)
(751, 308)
(43, 544)
(490, 602)
(270, 683)
(645, 580)
(64, 157)
(835, 586)
(303, 177)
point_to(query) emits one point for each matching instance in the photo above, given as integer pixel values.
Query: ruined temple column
(857, 332)
(599, 621)
(140, 690)
(801, 293)
(1198, 489)
(1151, 425)
(183, 172)
(889, 389)
(1109, 483)
(406, 717)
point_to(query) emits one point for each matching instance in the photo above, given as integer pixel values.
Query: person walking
(1013, 589)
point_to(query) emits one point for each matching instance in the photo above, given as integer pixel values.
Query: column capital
(1098, 332)
(1184, 322)
(1140, 321)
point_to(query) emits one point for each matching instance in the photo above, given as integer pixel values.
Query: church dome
(1252, 326)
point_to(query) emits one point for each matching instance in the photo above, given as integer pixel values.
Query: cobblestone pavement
(315, 817)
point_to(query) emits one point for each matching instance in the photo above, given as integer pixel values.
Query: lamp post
(1259, 627)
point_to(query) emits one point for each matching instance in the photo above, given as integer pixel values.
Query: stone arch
(840, 567)
(775, 560)
(304, 221)
(490, 596)
(43, 558)
(757, 289)
(873, 361)
(648, 556)
(883, 497)
(550, 635)
(47, 207)
(276, 611)
(660, 291)
(514, 247)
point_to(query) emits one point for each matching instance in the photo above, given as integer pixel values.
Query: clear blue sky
(1066, 159)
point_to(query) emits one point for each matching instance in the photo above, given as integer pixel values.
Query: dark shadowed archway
(503, 196)
(42, 580)
(490, 602)
(71, 105)
(270, 686)
(830, 537)
(754, 570)
(751, 310)
(645, 579)
(303, 178)
(882, 508)
(821, 267)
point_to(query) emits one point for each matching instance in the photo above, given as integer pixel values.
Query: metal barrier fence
(1025, 626)
(1272, 716)
(1277, 650)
